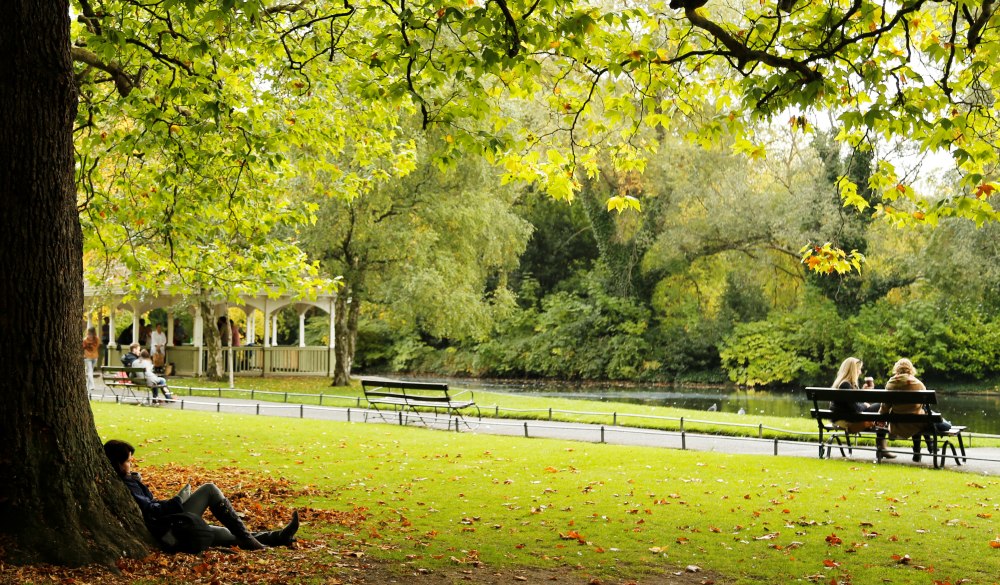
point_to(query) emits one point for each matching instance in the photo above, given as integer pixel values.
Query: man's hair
(118, 452)
(145, 354)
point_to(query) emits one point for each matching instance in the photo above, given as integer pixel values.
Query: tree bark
(345, 336)
(215, 369)
(61, 501)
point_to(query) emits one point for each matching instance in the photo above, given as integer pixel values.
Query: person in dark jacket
(157, 513)
(847, 379)
(133, 354)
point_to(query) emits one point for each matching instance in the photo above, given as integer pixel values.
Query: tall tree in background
(428, 252)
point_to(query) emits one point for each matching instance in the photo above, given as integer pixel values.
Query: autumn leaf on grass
(995, 543)
(573, 535)
(551, 469)
(834, 540)
(902, 560)
(830, 563)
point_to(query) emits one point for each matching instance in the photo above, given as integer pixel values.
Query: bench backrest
(113, 374)
(423, 391)
(821, 398)
(883, 396)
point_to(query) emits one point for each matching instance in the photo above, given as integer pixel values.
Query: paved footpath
(981, 460)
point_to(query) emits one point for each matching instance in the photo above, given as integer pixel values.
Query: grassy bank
(316, 391)
(436, 499)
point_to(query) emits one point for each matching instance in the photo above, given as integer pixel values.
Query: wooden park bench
(822, 397)
(127, 383)
(416, 398)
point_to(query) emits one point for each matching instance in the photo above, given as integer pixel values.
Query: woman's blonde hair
(849, 372)
(904, 366)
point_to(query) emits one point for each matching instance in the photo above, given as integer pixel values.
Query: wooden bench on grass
(822, 397)
(414, 398)
(127, 383)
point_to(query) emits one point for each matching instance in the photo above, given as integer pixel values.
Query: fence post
(348, 414)
(286, 397)
(258, 409)
(400, 418)
(614, 418)
(526, 430)
(497, 413)
(218, 407)
(252, 393)
(182, 404)
(776, 446)
(682, 424)
(760, 431)
(550, 413)
(321, 400)
(302, 411)
(602, 433)
(683, 440)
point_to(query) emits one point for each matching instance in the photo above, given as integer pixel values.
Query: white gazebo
(189, 358)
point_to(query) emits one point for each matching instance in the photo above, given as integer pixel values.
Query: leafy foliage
(798, 346)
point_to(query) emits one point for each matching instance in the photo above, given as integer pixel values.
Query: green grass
(610, 510)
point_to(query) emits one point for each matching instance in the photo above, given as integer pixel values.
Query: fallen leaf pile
(264, 504)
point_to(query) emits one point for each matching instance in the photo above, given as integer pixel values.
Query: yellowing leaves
(827, 259)
(621, 203)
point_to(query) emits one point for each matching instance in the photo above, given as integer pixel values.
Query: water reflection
(976, 411)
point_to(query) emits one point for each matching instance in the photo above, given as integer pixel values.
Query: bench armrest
(472, 396)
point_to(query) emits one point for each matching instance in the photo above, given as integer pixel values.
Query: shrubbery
(598, 336)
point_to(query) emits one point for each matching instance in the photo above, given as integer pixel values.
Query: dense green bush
(800, 347)
(946, 341)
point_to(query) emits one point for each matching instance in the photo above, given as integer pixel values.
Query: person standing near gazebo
(158, 346)
(91, 351)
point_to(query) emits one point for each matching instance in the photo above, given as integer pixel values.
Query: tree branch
(124, 82)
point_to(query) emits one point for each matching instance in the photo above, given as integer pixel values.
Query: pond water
(978, 411)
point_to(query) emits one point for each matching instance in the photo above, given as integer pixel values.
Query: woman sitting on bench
(847, 379)
(155, 383)
(904, 377)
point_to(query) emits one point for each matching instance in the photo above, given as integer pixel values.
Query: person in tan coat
(904, 378)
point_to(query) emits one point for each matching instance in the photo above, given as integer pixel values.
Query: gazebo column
(112, 338)
(302, 327)
(252, 327)
(135, 324)
(198, 339)
(266, 369)
(274, 329)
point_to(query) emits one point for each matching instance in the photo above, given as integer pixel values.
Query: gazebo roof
(266, 302)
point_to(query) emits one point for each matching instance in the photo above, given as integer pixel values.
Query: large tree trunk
(215, 364)
(346, 337)
(61, 501)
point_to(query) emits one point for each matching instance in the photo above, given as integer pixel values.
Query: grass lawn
(434, 500)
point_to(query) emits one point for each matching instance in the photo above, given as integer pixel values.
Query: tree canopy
(200, 100)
